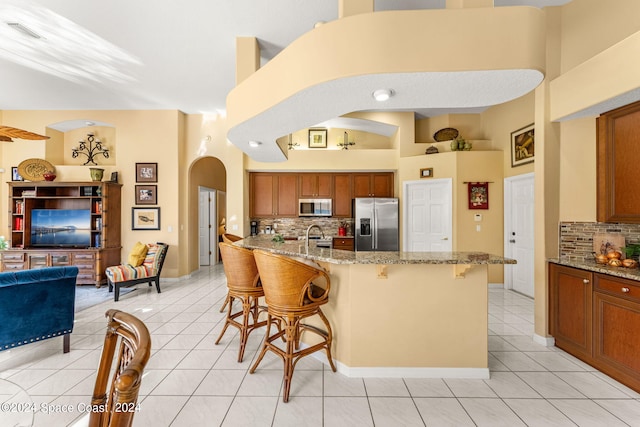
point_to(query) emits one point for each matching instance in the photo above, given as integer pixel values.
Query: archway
(210, 174)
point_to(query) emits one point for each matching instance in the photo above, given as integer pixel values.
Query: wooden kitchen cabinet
(344, 243)
(315, 185)
(342, 198)
(616, 348)
(373, 184)
(570, 310)
(273, 194)
(618, 157)
(596, 317)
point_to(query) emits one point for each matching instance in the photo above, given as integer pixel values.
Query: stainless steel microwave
(314, 207)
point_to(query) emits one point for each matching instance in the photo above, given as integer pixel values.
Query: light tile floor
(189, 381)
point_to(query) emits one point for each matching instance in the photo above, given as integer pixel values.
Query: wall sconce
(345, 144)
(91, 148)
(292, 145)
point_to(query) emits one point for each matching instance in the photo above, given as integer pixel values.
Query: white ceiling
(144, 54)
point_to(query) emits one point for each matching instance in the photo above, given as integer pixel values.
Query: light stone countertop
(626, 273)
(335, 256)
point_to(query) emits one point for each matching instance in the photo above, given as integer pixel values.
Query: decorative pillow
(138, 254)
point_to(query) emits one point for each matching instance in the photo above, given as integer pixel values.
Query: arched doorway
(207, 209)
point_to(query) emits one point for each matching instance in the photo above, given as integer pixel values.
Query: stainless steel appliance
(376, 224)
(254, 228)
(314, 207)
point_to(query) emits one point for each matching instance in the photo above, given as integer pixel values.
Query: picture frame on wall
(146, 194)
(146, 172)
(15, 175)
(145, 218)
(317, 138)
(523, 146)
(478, 195)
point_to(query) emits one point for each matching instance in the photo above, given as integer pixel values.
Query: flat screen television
(61, 228)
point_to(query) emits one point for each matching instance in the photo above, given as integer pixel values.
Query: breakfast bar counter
(402, 314)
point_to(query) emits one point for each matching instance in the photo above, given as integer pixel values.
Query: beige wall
(146, 136)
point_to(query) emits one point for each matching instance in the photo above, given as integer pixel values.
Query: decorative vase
(96, 174)
(454, 145)
(342, 231)
(49, 176)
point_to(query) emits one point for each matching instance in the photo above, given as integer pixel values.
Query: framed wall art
(145, 218)
(478, 195)
(15, 175)
(426, 173)
(146, 172)
(146, 194)
(317, 138)
(522, 146)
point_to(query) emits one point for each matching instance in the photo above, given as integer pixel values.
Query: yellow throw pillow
(138, 254)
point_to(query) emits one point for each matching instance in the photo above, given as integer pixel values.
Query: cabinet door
(262, 195)
(315, 185)
(382, 184)
(287, 196)
(570, 311)
(617, 342)
(362, 185)
(342, 199)
(617, 160)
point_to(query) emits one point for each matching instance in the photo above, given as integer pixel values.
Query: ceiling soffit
(482, 57)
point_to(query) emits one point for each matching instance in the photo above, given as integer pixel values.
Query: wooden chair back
(287, 283)
(126, 351)
(230, 238)
(239, 267)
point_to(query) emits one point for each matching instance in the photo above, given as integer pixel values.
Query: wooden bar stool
(243, 282)
(291, 297)
(228, 238)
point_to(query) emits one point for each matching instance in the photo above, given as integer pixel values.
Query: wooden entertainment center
(102, 199)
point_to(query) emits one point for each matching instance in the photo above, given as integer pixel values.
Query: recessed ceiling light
(255, 144)
(382, 94)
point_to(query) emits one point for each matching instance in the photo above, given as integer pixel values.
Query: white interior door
(519, 233)
(207, 226)
(428, 217)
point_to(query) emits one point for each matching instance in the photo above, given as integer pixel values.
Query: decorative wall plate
(32, 169)
(446, 134)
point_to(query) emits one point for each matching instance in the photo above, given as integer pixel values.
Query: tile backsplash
(295, 227)
(576, 238)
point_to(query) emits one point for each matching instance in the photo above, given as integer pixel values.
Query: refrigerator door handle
(375, 229)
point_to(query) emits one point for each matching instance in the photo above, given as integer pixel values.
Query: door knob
(445, 238)
(585, 281)
(625, 290)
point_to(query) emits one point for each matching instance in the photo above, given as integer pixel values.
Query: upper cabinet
(274, 195)
(618, 157)
(377, 184)
(315, 185)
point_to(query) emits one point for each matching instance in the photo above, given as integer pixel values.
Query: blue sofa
(36, 305)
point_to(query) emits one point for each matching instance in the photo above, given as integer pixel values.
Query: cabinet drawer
(343, 244)
(13, 266)
(84, 256)
(619, 287)
(84, 266)
(12, 257)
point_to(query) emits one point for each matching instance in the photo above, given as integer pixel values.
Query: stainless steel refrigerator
(376, 224)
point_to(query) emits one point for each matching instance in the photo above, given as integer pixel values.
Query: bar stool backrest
(287, 283)
(239, 267)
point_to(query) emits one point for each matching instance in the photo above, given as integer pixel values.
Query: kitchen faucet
(309, 229)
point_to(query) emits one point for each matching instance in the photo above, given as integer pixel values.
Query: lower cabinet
(571, 293)
(91, 263)
(344, 243)
(596, 317)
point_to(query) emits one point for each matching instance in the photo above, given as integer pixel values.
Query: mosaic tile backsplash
(297, 227)
(576, 238)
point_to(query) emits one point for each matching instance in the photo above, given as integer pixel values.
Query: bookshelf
(101, 199)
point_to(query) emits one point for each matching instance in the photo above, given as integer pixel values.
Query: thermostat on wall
(477, 217)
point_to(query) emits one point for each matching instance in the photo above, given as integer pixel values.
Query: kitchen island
(402, 314)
